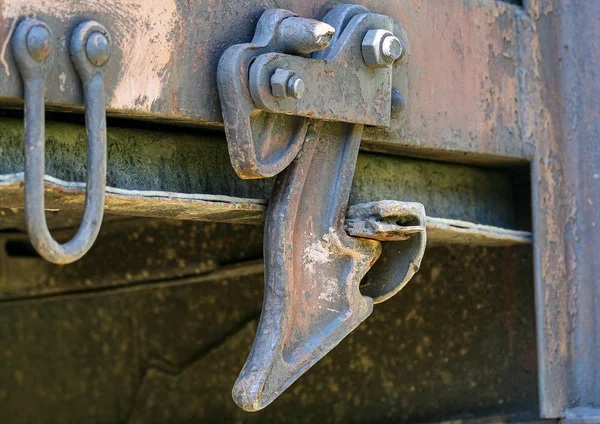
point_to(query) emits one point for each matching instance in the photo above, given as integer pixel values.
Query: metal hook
(90, 50)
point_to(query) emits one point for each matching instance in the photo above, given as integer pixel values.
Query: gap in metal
(515, 2)
(20, 249)
(521, 189)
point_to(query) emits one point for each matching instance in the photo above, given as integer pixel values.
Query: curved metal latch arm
(306, 114)
(89, 48)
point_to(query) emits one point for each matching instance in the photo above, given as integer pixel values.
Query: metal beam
(462, 102)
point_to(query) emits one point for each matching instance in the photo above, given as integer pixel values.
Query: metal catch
(302, 118)
(90, 51)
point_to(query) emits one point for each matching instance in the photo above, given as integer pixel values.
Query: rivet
(97, 49)
(38, 43)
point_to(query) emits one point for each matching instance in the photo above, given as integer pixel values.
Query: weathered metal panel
(463, 95)
(487, 84)
(562, 51)
(456, 344)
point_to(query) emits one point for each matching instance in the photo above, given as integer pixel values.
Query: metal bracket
(90, 51)
(275, 107)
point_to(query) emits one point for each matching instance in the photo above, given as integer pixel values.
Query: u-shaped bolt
(90, 51)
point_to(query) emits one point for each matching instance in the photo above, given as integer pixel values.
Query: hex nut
(279, 82)
(380, 48)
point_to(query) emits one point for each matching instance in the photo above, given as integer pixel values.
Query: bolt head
(380, 48)
(97, 48)
(295, 87)
(38, 43)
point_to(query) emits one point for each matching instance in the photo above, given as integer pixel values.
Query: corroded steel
(563, 121)
(464, 96)
(387, 220)
(490, 84)
(261, 144)
(313, 268)
(89, 52)
(340, 86)
(402, 226)
(264, 125)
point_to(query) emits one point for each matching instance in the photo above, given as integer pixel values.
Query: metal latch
(302, 117)
(90, 51)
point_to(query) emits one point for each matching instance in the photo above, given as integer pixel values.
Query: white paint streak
(315, 254)
(146, 53)
(330, 291)
(5, 45)
(63, 78)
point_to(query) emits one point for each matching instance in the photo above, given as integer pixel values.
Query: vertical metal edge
(565, 128)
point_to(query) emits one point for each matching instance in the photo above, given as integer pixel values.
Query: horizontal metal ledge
(69, 196)
(198, 162)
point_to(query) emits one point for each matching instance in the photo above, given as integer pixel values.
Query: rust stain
(463, 84)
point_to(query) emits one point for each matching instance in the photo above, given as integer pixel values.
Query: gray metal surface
(89, 52)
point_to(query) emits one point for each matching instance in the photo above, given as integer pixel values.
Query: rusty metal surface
(463, 92)
(492, 84)
(260, 144)
(340, 86)
(265, 128)
(386, 220)
(563, 52)
(313, 267)
(402, 225)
